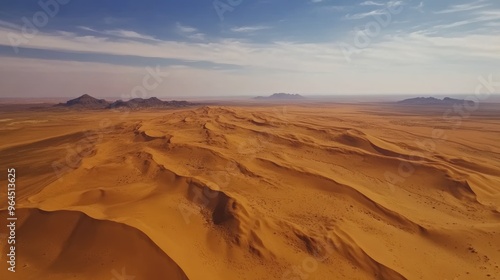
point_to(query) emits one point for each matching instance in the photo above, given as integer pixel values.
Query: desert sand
(330, 191)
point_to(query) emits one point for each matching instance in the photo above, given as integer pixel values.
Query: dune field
(295, 192)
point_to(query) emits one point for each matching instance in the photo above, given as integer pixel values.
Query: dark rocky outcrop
(86, 102)
(152, 102)
(432, 101)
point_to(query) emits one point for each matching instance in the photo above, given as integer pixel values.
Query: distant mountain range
(431, 101)
(88, 102)
(281, 96)
(152, 102)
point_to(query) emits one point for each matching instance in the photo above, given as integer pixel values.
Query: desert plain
(298, 191)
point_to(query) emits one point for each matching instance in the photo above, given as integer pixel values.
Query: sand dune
(71, 245)
(295, 192)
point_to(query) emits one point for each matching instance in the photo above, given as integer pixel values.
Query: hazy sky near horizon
(65, 48)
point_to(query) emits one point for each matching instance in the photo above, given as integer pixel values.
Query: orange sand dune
(277, 192)
(71, 245)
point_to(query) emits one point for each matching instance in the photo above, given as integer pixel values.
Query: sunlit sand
(313, 191)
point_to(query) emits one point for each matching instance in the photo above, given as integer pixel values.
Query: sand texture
(254, 192)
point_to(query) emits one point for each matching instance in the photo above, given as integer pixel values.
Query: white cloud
(308, 67)
(464, 7)
(283, 55)
(371, 3)
(364, 15)
(394, 3)
(486, 17)
(9, 25)
(129, 34)
(493, 24)
(419, 7)
(490, 15)
(189, 32)
(185, 29)
(471, 53)
(245, 29)
(305, 57)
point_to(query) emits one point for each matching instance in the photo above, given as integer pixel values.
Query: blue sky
(62, 48)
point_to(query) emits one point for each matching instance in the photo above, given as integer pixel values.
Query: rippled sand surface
(255, 192)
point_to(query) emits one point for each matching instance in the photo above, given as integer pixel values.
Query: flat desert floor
(324, 191)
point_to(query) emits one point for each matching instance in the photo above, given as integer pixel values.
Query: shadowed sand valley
(332, 191)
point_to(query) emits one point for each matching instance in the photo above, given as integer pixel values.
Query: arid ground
(319, 191)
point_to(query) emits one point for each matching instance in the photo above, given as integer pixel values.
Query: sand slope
(283, 192)
(71, 245)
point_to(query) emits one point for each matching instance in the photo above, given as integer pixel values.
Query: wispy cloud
(315, 64)
(493, 24)
(371, 3)
(9, 25)
(419, 7)
(278, 55)
(185, 28)
(364, 15)
(463, 7)
(129, 34)
(245, 29)
(395, 3)
(489, 18)
(490, 15)
(453, 36)
(189, 32)
(382, 8)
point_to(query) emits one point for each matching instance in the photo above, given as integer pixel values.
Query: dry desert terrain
(318, 191)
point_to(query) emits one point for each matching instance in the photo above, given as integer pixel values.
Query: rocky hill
(431, 101)
(86, 102)
(152, 102)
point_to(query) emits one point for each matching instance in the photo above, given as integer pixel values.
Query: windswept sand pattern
(284, 192)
